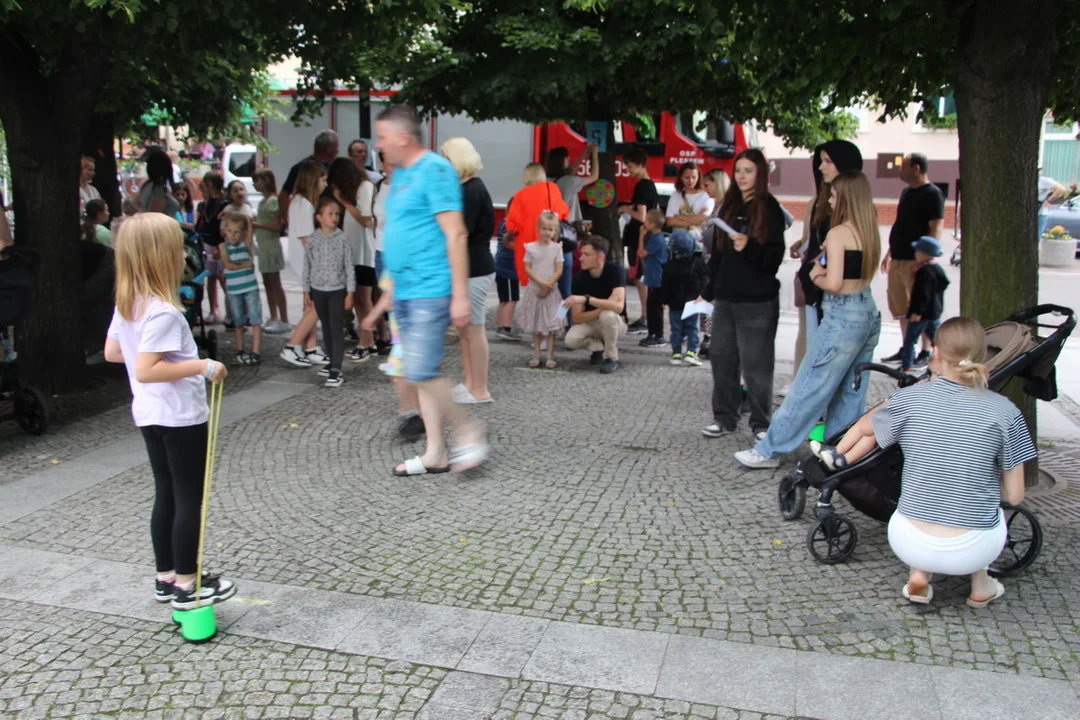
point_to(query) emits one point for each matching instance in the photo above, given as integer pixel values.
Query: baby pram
(29, 406)
(872, 485)
(191, 294)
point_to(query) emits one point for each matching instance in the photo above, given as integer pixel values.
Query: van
(240, 163)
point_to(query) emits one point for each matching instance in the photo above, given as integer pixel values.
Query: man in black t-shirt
(921, 212)
(644, 199)
(599, 298)
(325, 150)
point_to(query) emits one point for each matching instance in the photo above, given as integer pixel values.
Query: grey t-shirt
(151, 190)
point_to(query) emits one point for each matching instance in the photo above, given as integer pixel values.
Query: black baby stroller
(30, 407)
(191, 294)
(872, 484)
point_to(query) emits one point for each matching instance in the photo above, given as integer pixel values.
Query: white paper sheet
(561, 313)
(697, 308)
(723, 226)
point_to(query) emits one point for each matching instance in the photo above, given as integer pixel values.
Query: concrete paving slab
(317, 618)
(839, 687)
(472, 692)
(249, 594)
(101, 586)
(600, 657)
(750, 677)
(973, 695)
(504, 645)
(416, 632)
(25, 572)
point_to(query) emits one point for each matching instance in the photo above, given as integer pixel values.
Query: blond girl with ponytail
(964, 450)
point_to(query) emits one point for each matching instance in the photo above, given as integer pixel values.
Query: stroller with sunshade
(872, 485)
(191, 294)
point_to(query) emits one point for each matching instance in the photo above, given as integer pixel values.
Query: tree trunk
(606, 220)
(98, 143)
(1002, 82)
(45, 116)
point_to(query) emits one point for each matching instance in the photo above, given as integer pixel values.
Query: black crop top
(853, 260)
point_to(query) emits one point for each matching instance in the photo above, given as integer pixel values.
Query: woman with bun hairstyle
(964, 452)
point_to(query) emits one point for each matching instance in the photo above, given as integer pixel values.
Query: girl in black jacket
(746, 297)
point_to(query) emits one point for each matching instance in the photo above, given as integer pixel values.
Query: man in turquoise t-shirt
(425, 253)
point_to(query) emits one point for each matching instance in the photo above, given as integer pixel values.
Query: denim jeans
(824, 385)
(812, 325)
(422, 324)
(743, 345)
(911, 339)
(683, 329)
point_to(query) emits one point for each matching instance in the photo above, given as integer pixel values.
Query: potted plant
(1058, 248)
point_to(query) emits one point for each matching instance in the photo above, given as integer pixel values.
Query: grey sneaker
(609, 366)
(715, 430)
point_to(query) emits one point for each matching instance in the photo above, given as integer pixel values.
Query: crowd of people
(408, 253)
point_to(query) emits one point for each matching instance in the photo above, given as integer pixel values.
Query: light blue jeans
(846, 337)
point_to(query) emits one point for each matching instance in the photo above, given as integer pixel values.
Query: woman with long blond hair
(847, 336)
(150, 335)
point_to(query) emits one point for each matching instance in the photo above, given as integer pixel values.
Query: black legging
(178, 459)
(330, 307)
(654, 311)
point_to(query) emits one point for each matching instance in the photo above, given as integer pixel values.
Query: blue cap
(928, 245)
(682, 245)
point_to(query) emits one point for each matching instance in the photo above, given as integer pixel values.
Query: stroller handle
(901, 377)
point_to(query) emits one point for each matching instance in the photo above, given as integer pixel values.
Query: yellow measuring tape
(216, 390)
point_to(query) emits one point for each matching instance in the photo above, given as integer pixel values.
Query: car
(1067, 215)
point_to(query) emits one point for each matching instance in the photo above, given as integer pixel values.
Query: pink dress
(537, 314)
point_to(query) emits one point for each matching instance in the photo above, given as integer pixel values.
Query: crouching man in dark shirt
(596, 305)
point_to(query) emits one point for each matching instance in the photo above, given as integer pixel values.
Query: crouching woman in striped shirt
(964, 450)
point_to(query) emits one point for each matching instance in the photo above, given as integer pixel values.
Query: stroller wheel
(1023, 544)
(832, 539)
(31, 410)
(792, 496)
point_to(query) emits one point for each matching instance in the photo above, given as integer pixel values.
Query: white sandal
(415, 466)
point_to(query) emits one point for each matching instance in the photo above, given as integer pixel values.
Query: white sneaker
(753, 459)
(760, 435)
(691, 359)
(715, 431)
(295, 355)
(460, 392)
(317, 356)
(784, 390)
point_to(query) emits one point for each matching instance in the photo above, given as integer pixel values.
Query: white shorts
(960, 555)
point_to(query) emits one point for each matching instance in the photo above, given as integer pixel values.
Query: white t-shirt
(161, 329)
(570, 186)
(697, 204)
(301, 217)
(86, 194)
(379, 211)
(361, 238)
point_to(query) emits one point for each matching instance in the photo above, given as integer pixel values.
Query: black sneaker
(334, 380)
(638, 327)
(323, 371)
(609, 366)
(360, 354)
(596, 358)
(382, 347)
(653, 341)
(922, 359)
(214, 590)
(895, 357)
(411, 427)
(164, 590)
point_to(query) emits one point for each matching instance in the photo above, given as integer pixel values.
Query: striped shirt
(957, 441)
(238, 282)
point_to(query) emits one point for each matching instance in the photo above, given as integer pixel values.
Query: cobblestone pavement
(59, 663)
(602, 504)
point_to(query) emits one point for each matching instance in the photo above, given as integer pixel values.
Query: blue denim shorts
(246, 308)
(422, 323)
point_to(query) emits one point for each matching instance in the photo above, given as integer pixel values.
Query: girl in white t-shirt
(689, 206)
(310, 182)
(150, 335)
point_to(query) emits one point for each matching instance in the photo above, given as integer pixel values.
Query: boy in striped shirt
(241, 287)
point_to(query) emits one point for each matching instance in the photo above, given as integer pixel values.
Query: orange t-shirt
(524, 213)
